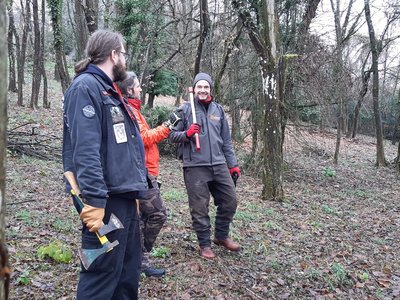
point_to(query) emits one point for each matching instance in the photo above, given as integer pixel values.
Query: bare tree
(46, 103)
(4, 268)
(36, 75)
(21, 53)
(380, 154)
(365, 76)
(343, 32)
(12, 78)
(204, 28)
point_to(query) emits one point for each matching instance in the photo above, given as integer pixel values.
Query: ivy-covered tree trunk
(263, 36)
(92, 14)
(61, 64)
(4, 268)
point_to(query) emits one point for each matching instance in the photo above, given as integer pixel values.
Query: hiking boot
(228, 244)
(207, 253)
(153, 272)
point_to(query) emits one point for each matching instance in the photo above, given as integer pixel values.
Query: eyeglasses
(126, 55)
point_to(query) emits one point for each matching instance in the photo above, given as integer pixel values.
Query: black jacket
(101, 143)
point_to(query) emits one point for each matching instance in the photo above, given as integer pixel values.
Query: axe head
(88, 256)
(235, 177)
(113, 224)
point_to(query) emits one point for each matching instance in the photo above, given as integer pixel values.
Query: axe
(191, 100)
(89, 255)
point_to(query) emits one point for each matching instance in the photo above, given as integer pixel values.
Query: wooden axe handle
(196, 135)
(72, 181)
(76, 192)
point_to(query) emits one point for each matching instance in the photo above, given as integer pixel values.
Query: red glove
(235, 170)
(193, 129)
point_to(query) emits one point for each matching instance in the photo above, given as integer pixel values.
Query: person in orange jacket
(152, 208)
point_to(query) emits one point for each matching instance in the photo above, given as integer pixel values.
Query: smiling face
(202, 89)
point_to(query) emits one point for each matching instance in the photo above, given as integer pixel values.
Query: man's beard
(119, 72)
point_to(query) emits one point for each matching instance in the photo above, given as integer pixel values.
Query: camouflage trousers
(153, 215)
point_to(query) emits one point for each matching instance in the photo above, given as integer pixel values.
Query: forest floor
(337, 235)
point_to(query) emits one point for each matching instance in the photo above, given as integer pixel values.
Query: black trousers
(115, 274)
(200, 183)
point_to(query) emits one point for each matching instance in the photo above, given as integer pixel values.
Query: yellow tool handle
(75, 191)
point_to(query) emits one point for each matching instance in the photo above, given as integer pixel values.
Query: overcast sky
(323, 24)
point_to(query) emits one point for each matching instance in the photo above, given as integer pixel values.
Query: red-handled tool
(196, 135)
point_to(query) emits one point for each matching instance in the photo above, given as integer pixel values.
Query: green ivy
(56, 251)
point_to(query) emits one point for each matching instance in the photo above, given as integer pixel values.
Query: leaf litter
(335, 237)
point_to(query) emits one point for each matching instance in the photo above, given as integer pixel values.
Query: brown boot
(228, 244)
(207, 253)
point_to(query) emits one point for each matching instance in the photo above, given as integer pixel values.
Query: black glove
(171, 122)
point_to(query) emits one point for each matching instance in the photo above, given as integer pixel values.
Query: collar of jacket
(136, 103)
(93, 69)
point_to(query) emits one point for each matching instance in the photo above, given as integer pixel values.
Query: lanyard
(127, 107)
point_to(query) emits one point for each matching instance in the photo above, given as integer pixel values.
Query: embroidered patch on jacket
(214, 118)
(88, 111)
(116, 114)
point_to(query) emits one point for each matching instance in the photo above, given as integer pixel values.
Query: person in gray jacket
(209, 170)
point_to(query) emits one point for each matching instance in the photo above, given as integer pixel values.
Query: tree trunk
(204, 27)
(264, 40)
(12, 81)
(81, 30)
(61, 65)
(92, 15)
(150, 101)
(395, 131)
(36, 72)
(46, 103)
(256, 124)
(338, 135)
(380, 154)
(107, 13)
(22, 53)
(229, 43)
(234, 102)
(365, 79)
(177, 100)
(4, 266)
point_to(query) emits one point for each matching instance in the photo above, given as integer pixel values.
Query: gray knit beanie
(203, 76)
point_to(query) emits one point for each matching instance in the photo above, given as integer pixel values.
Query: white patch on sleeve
(88, 111)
